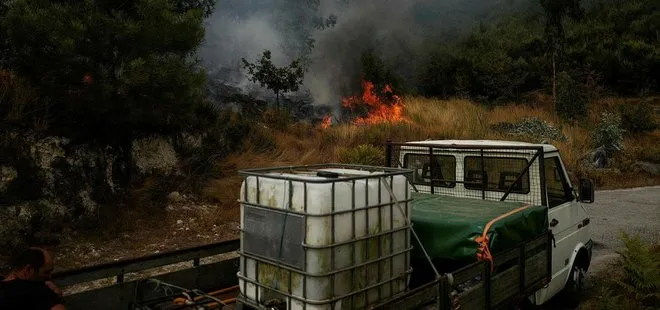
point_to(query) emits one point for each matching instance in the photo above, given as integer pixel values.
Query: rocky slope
(48, 183)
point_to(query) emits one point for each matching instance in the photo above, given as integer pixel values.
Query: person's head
(33, 264)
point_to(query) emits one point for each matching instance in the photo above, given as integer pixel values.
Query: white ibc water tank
(324, 242)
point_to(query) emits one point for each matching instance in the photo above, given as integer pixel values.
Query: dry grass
(302, 143)
(453, 119)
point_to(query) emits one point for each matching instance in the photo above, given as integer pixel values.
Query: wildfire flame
(386, 110)
(327, 121)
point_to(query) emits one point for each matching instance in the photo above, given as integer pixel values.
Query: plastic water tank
(326, 238)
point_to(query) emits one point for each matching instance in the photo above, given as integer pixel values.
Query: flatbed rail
(220, 299)
(126, 283)
(519, 273)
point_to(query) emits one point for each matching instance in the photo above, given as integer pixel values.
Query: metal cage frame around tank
(394, 149)
(383, 173)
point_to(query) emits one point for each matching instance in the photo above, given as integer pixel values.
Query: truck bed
(519, 272)
(448, 226)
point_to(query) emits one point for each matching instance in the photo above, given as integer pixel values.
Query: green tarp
(447, 226)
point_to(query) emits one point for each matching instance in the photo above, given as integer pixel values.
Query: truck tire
(574, 288)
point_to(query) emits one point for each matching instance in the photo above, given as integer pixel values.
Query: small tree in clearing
(277, 79)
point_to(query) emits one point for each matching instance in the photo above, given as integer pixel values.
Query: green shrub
(608, 299)
(637, 118)
(533, 127)
(226, 132)
(608, 133)
(650, 153)
(364, 154)
(572, 101)
(641, 271)
(632, 281)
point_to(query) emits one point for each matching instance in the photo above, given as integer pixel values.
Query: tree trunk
(277, 100)
(554, 79)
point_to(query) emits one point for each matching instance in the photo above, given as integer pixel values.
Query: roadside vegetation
(631, 282)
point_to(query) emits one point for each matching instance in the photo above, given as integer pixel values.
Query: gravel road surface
(635, 211)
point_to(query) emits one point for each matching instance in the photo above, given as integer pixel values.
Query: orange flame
(379, 110)
(327, 121)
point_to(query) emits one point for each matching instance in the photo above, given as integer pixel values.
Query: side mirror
(587, 191)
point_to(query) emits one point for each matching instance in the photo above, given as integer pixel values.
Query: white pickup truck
(496, 225)
(511, 171)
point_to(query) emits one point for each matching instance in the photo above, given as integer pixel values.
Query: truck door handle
(554, 223)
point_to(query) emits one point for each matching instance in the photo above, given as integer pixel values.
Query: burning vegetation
(374, 107)
(327, 121)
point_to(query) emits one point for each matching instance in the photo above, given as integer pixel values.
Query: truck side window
(444, 172)
(555, 183)
(500, 173)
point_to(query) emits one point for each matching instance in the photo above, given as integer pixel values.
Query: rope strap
(409, 222)
(483, 251)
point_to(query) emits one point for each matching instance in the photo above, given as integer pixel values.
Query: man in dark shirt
(28, 286)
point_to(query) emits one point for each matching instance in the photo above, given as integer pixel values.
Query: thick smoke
(385, 27)
(398, 31)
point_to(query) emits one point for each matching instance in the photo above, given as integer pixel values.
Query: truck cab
(514, 171)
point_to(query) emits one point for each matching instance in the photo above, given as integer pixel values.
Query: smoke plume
(400, 32)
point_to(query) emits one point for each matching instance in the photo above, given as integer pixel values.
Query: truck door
(563, 218)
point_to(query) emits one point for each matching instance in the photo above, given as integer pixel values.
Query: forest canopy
(104, 70)
(112, 71)
(614, 46)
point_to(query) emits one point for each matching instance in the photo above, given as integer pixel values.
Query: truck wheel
(574, 286)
